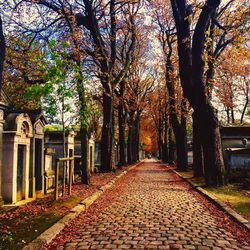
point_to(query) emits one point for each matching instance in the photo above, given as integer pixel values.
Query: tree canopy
(142, 71)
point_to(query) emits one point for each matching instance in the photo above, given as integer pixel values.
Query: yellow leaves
(186, 41)
(236, 60)
(205, 57)
(189, 18)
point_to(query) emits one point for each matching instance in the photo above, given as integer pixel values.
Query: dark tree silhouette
(191, 67)
(2, 52)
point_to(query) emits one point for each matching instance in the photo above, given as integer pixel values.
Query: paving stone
(203, 248)
(163, 247)
(71, 244)
(154, 212)
(189, 247)
(83, 247)
(175, 246)
(125, 246)
(111, 246)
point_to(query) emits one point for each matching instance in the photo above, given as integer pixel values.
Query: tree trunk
(135, 146)
(133, 138)
(2, 58)
(170, 146)
(210, 78)
(85, 178)
(129, 145)
(212, 149)
(63, 128)
(232, 115)
(191, 67)
(178, 128)
(181, 148)
(210, 137)
(2, 53)
(107, 133)
(228, 115)
(137, 134)
(197, 149)
(184, 46)
(184, 132)
(65, 163)
(85, 155)
(160, 144)
(135, 142)
(121, 124)
(165, 153)
(210, 71)
(207, 118)
(244, 110)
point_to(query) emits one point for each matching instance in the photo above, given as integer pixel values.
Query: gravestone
(17, 134)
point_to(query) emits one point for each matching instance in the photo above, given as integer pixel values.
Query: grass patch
(70, 202)
(199, 182)
(21, 225)
(26, 231)
(244, 209)
(19, 231)
(232, 195)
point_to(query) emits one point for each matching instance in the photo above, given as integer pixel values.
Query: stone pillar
(1, 150)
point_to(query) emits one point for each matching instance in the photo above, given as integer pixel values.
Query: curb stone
(48, 235)
(234, 215)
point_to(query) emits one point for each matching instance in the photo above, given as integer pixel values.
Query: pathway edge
(49, 234)
(234, 215)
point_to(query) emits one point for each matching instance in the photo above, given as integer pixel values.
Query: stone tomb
(53, 150)
(54, 139)
(49, 173)
(23, 167)
(97, 155)
(236, 152)
(37, 155)
(91, 155)
(16, 157)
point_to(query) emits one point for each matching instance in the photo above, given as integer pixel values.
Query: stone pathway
(156, 210)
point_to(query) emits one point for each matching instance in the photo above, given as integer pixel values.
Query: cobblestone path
(156, 210)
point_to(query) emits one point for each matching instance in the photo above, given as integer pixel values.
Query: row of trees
(102, 46)
(141, 83)
(199, 38)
